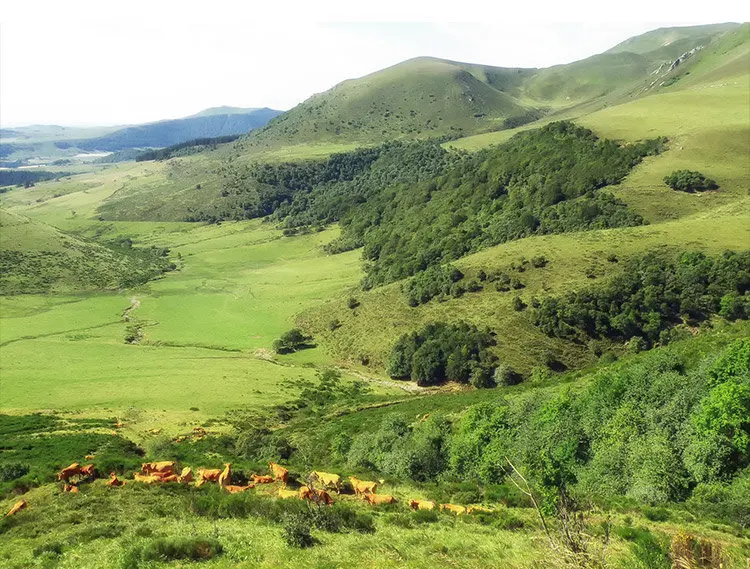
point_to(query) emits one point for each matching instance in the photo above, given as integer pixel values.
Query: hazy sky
(96, 62)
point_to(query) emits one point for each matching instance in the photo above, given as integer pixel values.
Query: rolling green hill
(419, 97)
(36, 258)
(433, 97)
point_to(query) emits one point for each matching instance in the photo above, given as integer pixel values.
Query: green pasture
(207, 329)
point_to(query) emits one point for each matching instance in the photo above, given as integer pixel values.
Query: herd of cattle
(163, 472)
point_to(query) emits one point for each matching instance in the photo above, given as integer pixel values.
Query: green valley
(472, 287)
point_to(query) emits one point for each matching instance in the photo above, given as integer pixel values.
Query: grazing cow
(164, 468)
(317, 496)
(186, 476)
(323, 497)
(146, 478)
(226, 475)
(87, 470)
(363, 486)
(278, 472)
(261, 478)
(69, 471)
(327, 480)
(208, 475)
(422, 505)
(17, 507)
(473, 509)
(458, 510)
(114, 481)
(72, 488)
(236, 489)
(170, 478)
(89, 457)
(284, 494)
(377, 499)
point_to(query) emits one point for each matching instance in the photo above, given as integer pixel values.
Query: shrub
(171, 549)
(539, 262)
(518, 304)
(656, 514)
(296, 532)
(505, 375)
(12, 471)
(291, 341)
(689, 181)
(352, 303)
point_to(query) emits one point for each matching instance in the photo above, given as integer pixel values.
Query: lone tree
(689, 181)
(291, 341)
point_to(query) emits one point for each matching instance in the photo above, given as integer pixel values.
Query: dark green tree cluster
(651, 295)
(292, 341)
(441, 352)
(542, 181)
(435, 281)
(689, 181)
(185, 148)
(28, 178)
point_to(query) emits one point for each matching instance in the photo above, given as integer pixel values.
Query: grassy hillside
(36, 257)
(419, 97)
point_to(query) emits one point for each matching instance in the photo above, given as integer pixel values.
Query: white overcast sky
(99, 62)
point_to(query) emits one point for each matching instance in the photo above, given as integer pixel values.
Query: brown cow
(327, 480)
(164, 468)
(377, 499)
(284, 494)
(87, 470)
(114, 481)
(147, 478)
(236, 489)
(89, 457)
(278, 472)
(208, 475)
(317, 496)
(473, 509)
(186, 476)
(72, 488)
(363, 486)
(458, 510)
(69, 471)
(226, 475)
(422, 505)
(261, 478)
(17, 507)
(170, 478)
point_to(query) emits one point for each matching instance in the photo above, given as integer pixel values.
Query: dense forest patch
(649, 296)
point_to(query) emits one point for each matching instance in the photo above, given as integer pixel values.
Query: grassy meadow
(193, 347)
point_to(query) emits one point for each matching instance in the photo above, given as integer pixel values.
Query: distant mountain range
(207, 124)
(54, 142)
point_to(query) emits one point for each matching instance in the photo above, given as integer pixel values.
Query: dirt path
(134, 304)
(405, 385)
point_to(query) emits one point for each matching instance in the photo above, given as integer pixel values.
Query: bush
(689, 181)
(12, 471)
(425, 516)
(171, 549)
(296, 532)
(518, 304)
(505, 375)
(656, 514)
(352, 303)
(292, 341)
